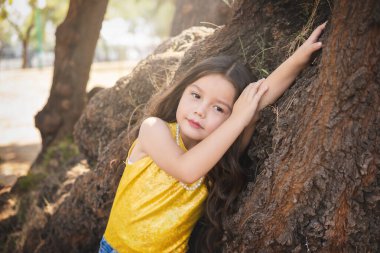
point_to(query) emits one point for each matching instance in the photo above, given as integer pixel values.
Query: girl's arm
(282, 77)
(156, 141)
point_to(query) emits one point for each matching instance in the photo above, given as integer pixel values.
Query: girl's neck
(188, 143)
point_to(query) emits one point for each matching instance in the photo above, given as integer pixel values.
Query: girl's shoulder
(153, 125)
(150, 129)
(153, 121)
(153, 128)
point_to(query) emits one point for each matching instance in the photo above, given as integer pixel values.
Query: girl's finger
(256, 85)
(254, 89)
(248, 89)
(258, 82)
(317, 32)
(262, 90)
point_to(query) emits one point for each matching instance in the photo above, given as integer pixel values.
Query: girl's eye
(219, 109)
(195, 95)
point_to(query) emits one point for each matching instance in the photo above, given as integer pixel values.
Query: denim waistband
(105, 247)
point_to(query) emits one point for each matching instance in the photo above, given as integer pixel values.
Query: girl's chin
(190, 139)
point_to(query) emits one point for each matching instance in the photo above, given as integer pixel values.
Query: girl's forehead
(215, 85)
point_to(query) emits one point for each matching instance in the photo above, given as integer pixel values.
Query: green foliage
(29, 182)
(55, 11)
(55, 158)
(62, 152)
(17, 21)
(257, 61)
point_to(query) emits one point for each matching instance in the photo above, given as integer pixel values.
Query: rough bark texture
(199, 13)
(74, 51)
(316, 151)
(319, 189)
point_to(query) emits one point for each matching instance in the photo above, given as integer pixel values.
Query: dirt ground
(22, 94)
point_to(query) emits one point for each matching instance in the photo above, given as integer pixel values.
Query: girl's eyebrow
(218, 100)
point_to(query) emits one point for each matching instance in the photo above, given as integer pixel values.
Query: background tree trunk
(193, 12)
(76, 40)
(25, 47)
(316, 158)
(24, 38)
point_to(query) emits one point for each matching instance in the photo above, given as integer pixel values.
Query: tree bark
(316, 158)
(76, 40)
(319, 189)
(199, 13)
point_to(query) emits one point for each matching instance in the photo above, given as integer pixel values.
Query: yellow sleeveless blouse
(151, 211)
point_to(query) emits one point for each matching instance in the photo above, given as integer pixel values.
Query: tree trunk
(25, 47)
(24, 39)
(25, 57)
(316, 151)
(319, 188)
(75, 45)
(193, 13)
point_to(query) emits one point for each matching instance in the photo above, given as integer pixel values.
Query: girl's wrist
(297, 62)
(237, 121)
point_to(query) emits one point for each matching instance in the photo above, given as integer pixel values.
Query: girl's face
(203, 107)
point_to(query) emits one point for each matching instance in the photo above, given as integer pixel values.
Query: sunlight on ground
(22, 94)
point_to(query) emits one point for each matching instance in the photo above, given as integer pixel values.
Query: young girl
(187, 153)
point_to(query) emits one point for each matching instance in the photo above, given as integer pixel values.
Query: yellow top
(151, 211)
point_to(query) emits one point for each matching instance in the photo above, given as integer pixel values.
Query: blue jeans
(105, 247)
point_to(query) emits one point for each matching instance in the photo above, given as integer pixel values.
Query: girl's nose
(200, 110)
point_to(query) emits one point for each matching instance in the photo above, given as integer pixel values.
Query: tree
(198, 13)
(76, 40)
(154, 13)
(22, 27)
(315, 175)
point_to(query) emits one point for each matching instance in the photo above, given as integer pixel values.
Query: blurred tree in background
(21, 24)
(21, 19)
(200, 13)
(76, 39)
(28, 20)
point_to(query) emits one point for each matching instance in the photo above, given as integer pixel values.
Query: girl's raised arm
(156, 141)
(281, 78)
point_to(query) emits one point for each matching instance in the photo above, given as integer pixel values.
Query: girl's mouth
(194, 124)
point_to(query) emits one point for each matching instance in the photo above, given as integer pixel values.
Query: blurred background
(30, 65)
(130, 31)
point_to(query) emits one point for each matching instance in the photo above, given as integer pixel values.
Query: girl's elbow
(189, 178)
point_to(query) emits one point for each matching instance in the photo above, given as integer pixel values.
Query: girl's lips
(194, 124)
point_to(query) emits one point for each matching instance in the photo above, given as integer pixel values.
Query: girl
(187, 152)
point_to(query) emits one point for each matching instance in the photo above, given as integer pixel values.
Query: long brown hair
(227, 179)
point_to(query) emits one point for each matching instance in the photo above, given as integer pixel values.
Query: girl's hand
(303, 53)
(245, 107)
